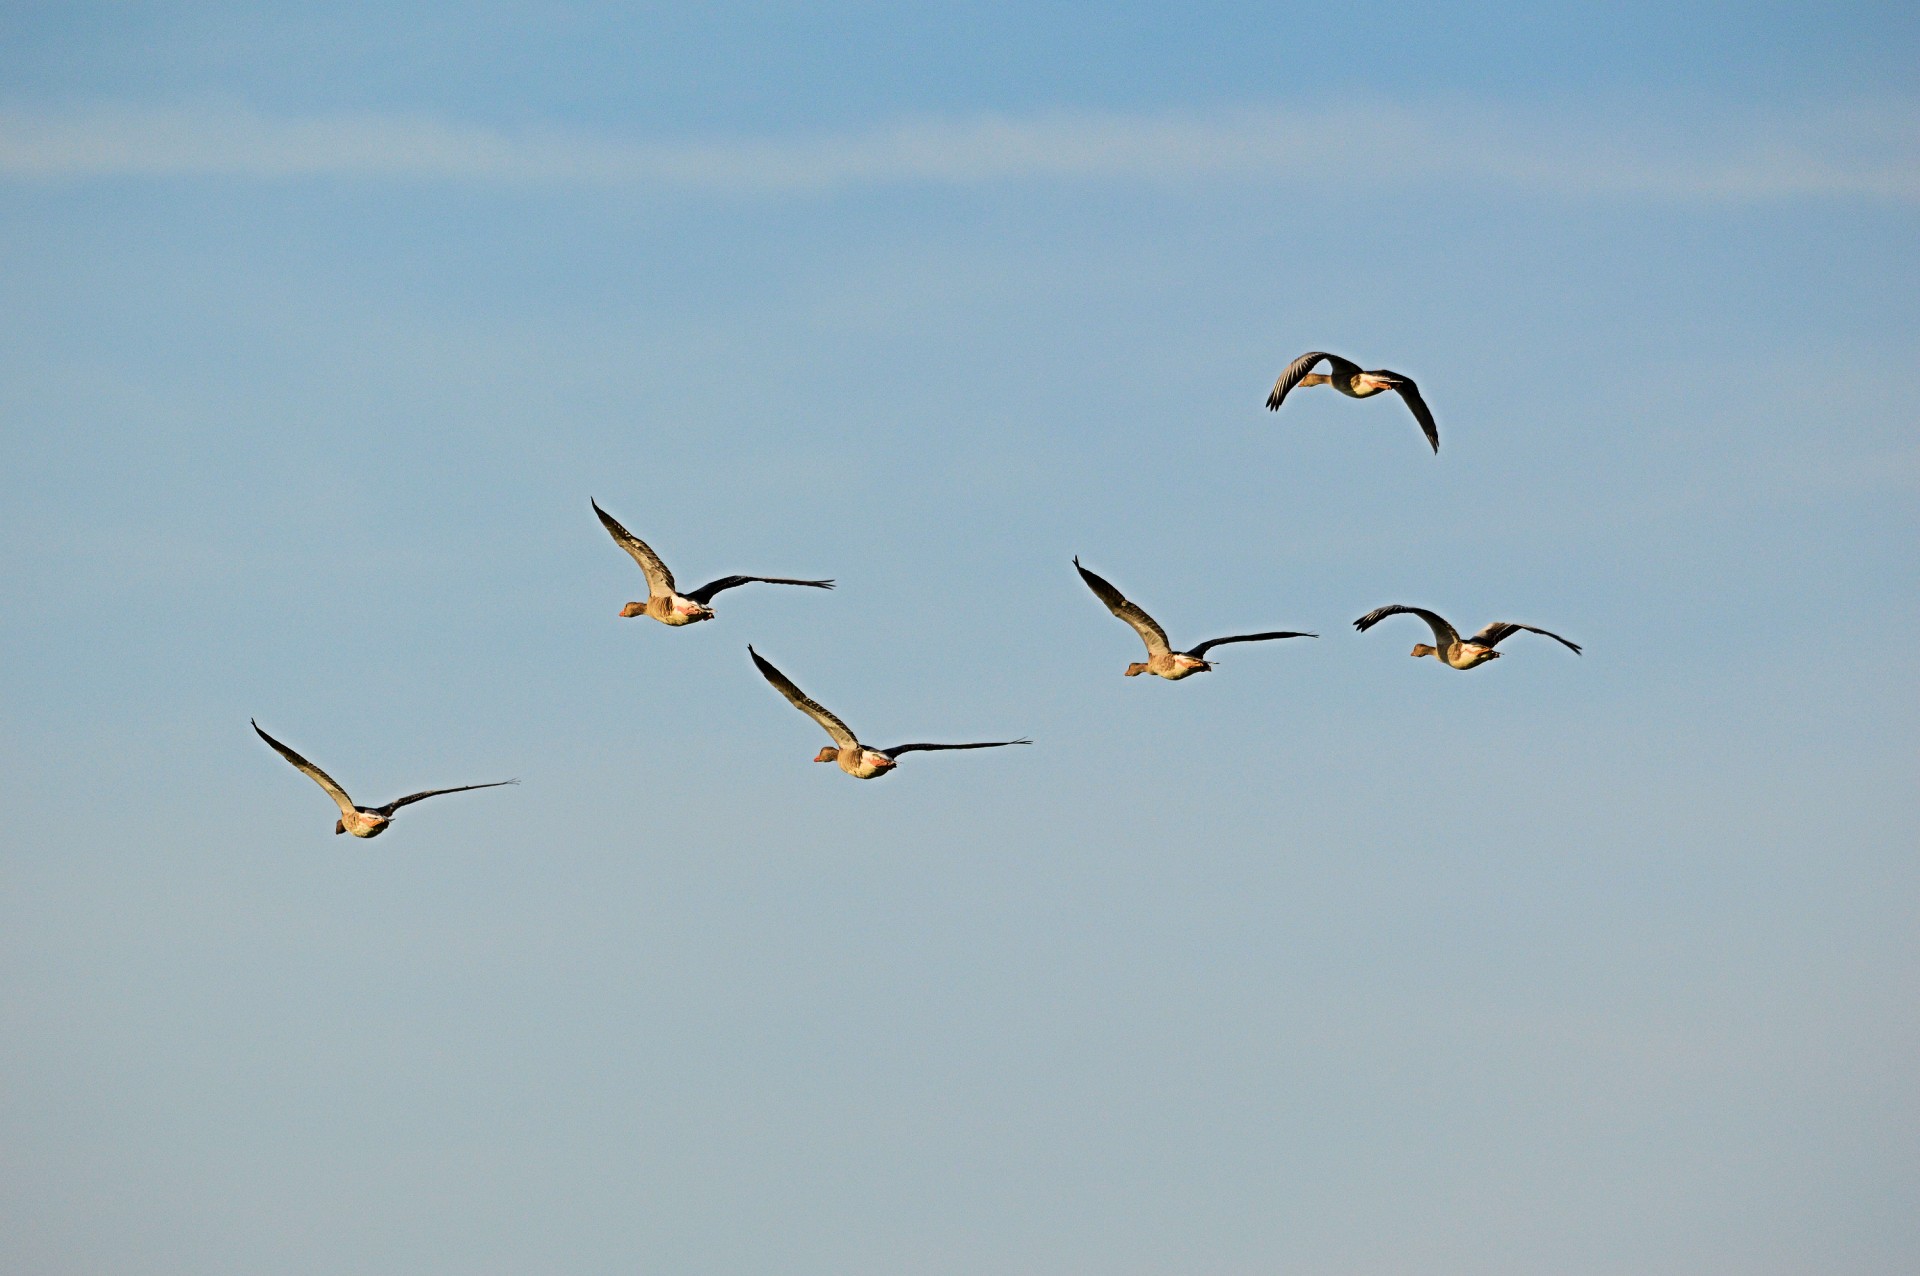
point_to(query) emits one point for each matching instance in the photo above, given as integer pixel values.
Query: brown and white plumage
(1162, 659)
(361, 821)
(664, 603)
(1351, 380)
(1449, 647)
(856, 759)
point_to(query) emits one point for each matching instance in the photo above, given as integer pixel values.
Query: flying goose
(1162, 659)
(1349, 380)
(361, 821)
(663, 603)
(856, 759)
(1451, 648)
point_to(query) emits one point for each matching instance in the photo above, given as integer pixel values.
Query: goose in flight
(856, 759)
(1162, 659)
(361, 821)
(664, 603)
(1450, 648)
(1349, 380)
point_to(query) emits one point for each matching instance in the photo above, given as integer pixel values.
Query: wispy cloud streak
(1863, 152)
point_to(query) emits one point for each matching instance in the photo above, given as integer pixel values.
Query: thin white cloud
(1863, 152)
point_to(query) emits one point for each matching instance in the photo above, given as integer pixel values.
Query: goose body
(1449, 647)
(1355, 382)
(1162, 660)
(361, 821)
(856, 759)
(664, 602)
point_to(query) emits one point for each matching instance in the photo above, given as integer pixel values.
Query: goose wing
(411, 798)
(308, 769)
(899, 749)
(841, 733)
(1410, 393)
(705, 593)
(1499, 630)
(1444, 635)
(1300, 367)
(1200, 652)
(1143, 624)
(659, 579)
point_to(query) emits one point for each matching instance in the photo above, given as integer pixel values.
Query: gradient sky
(324, 322)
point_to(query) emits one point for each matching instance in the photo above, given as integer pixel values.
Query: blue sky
(326, 323)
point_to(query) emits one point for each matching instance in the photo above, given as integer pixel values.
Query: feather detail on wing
(1444, 635)
(411, 798)
(1200, 652)
(705, 593)
(308, 769)
(659, 579)
(841, 733)
(1499, 630)
(1149, 629)
(899, 749)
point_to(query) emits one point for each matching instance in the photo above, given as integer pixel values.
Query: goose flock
(666, 604)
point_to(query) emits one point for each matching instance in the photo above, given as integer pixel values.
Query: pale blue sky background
(324, 323)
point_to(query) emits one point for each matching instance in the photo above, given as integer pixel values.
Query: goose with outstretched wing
(1162, 659)
(361, 821)
(1449, 647)
(665, 603)
(856, 759)
(1349, 379)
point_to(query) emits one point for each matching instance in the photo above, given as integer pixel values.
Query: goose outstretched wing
(841, 733)
(1410, 392)
(899, 749)
(705, 593)
(1444, 635)
(411, 798)
(659, 579)
(1146, 626)
(1200, 652)
(308, 769)
(1499, 630)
